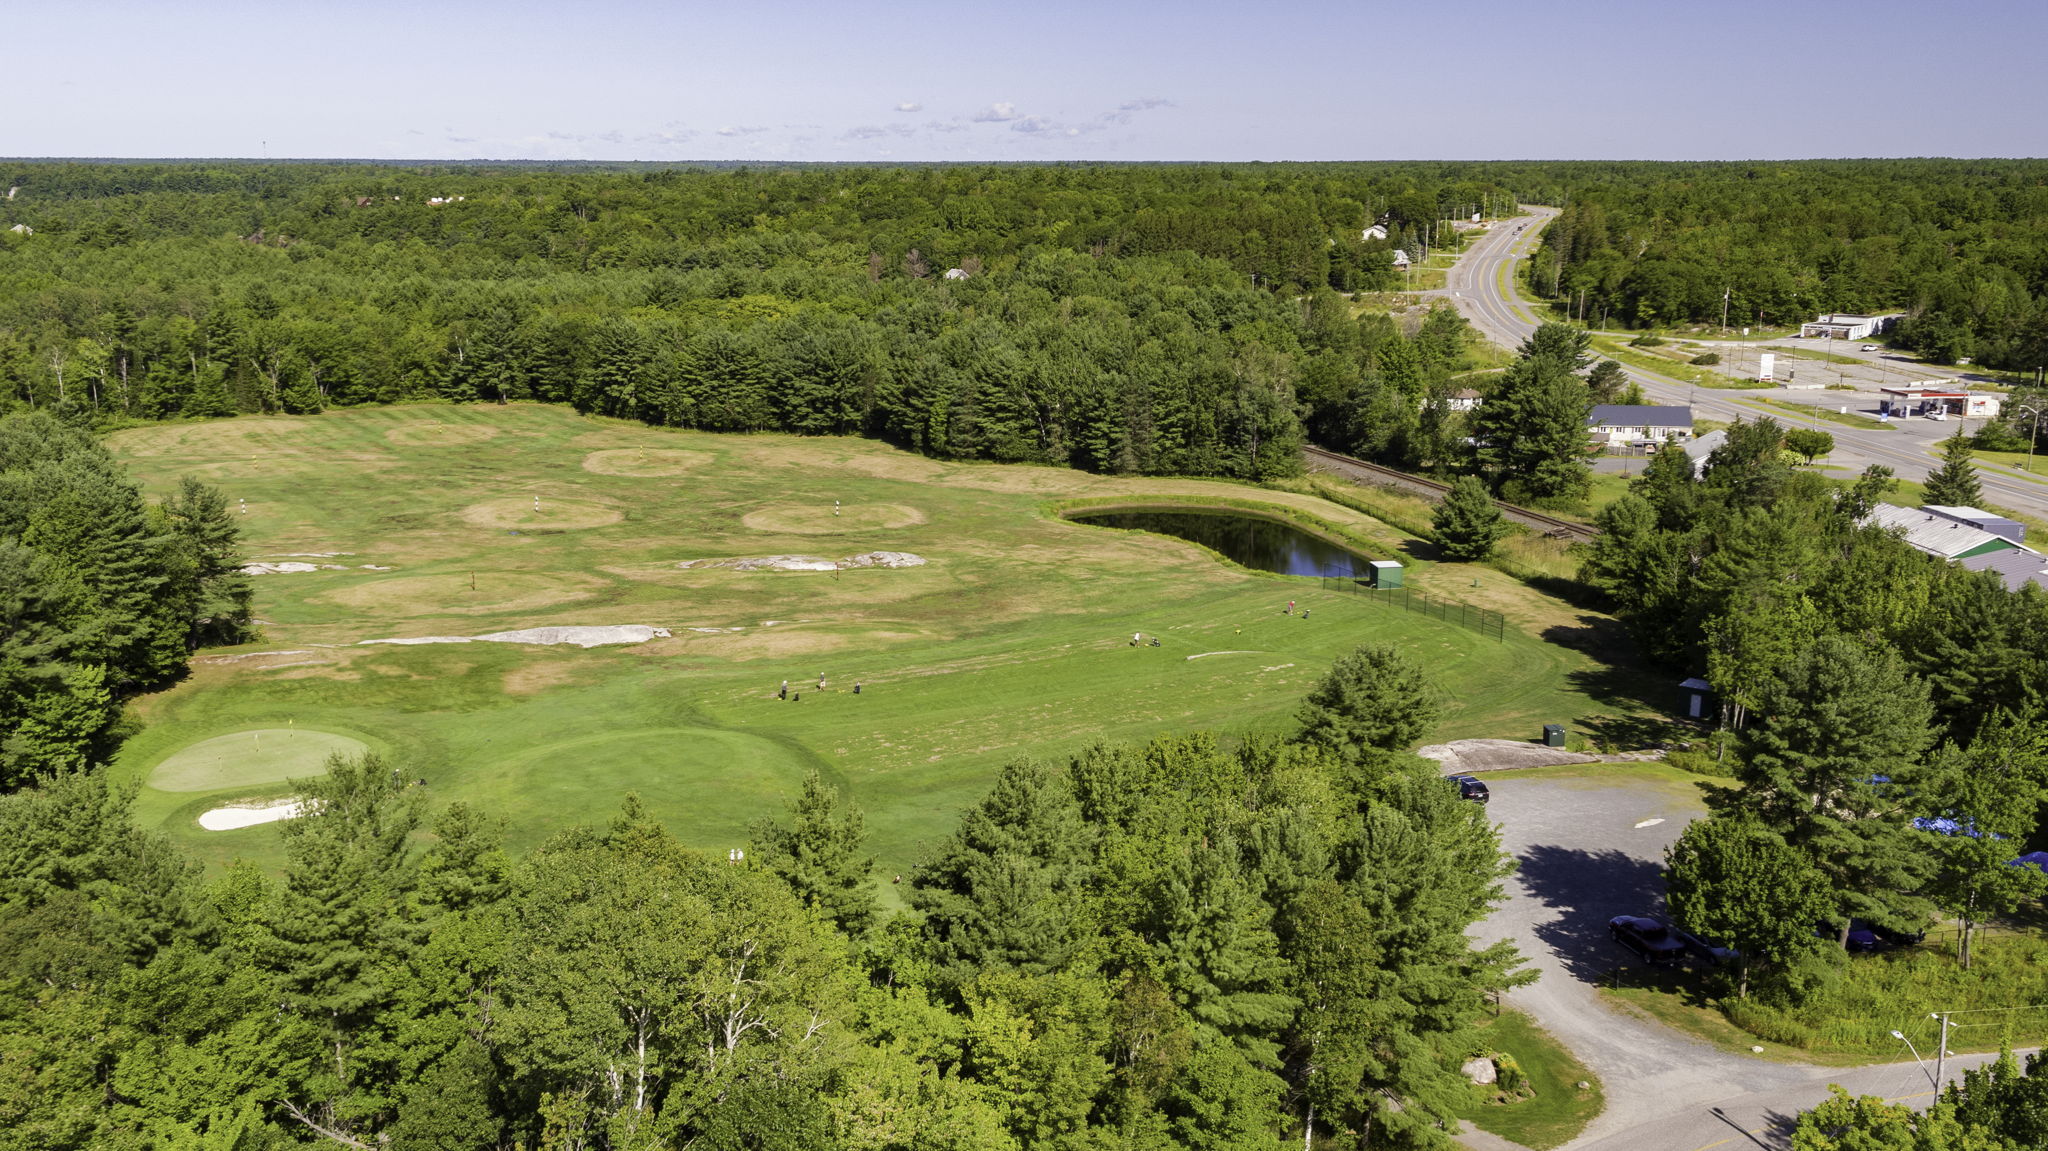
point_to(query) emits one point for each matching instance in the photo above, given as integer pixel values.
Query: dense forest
(1135, 319)
(1959, 246)
(1887, 754)
(1166, 946)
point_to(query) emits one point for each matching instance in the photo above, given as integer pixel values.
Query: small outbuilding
(1386, 574)
(1696, 698)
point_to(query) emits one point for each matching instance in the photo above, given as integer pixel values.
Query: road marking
(1649, 823)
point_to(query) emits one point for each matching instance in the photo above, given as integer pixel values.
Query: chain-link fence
(1487, 623)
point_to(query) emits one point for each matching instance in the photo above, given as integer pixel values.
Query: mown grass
(2030, 467)
(1676, 369)
(1860, 1000)
(1013, 639)
(1847, 419)
(1558, 1110)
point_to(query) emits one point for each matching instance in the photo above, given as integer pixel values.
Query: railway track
(1363, 472)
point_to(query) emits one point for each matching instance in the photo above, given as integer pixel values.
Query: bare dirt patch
(645, 462)
(433, 434)
(808, 563)
(451, 594)
(536, 678)
(598, 636)
(825, 520)
(516, 513)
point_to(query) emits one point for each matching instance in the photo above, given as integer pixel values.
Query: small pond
(1252, 542)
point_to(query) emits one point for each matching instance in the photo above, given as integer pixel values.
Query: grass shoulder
(1859, 1000)
(1553, 1108)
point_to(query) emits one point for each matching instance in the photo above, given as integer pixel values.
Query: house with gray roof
(2018, 567)
(1636, 423)
(1698, 450)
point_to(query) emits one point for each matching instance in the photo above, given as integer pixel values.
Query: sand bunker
(819, 520)
(645, 462)
(517, 512)
(809, 563)
(289, 567)
(580, 636)
(230, 818)
(434, 434)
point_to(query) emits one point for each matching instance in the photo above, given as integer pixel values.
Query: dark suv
(1650, 940)
(1469, 787)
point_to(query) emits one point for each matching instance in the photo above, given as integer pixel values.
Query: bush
(1700, 763)
(1705, 359)
(1766, 1023)
(1998, 437)
(1647, 341)
(1509, 1077)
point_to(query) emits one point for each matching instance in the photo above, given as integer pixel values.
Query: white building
(1376, 232)
(1848, 326)
(1400, 260)
(1638, 423)
(1463, 400)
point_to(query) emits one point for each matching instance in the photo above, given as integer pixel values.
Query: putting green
(265, 755)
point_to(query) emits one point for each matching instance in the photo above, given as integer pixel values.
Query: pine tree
(1466, 523)
(1373, 701)
(1954, 484)
(198, 515)
(1839, 741)
(819, 855)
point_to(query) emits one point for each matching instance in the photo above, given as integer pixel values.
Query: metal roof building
(1938, 535)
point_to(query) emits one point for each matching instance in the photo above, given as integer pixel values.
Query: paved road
(1478, 285)
(1589, 852)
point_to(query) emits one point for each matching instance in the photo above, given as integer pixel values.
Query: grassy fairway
(1012, 639)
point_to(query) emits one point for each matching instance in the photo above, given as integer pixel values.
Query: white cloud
(1125, 110)
(997, 113)
(910, 106)
(743, 130)
(1033, 124)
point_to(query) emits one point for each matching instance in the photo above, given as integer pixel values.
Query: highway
(1481, 284)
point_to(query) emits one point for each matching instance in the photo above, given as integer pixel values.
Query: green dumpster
(1386, 573)
(1553, 735)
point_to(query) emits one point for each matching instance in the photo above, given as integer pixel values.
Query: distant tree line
(1173, 945)
(1957, 245)
(1132, 319)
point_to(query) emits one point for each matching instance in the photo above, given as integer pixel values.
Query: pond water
(1254, 543)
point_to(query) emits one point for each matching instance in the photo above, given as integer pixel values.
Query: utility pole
(1941, 1049)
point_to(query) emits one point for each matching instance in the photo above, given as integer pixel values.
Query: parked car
(1870, 347)
(1892, 937)
(1650, 940)
(1470, 787)
(1704, 948)
(1861, 937)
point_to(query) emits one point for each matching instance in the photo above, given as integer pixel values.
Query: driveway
(1590, 851)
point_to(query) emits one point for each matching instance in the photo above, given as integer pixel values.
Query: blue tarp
(2031, 859)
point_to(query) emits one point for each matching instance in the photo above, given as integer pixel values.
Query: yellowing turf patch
(519, 513)
(645, 461)
(821, 520)
(265, 755)
(433, 434)
(494, 591)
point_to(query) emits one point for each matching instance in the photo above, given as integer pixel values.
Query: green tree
(1809, 443)
(1606, 381)
(1954, 483)
(199, 517)
(1531, 433)
(819, 855)
(1837, 750)
(1733, 880)
(1990, 794)
(1372, 702)
(1466, 523)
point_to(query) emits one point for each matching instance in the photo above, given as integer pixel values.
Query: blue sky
(852, 80)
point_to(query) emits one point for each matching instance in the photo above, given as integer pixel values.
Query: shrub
(1700, 763)
(1705, 359)
(1647, 341)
